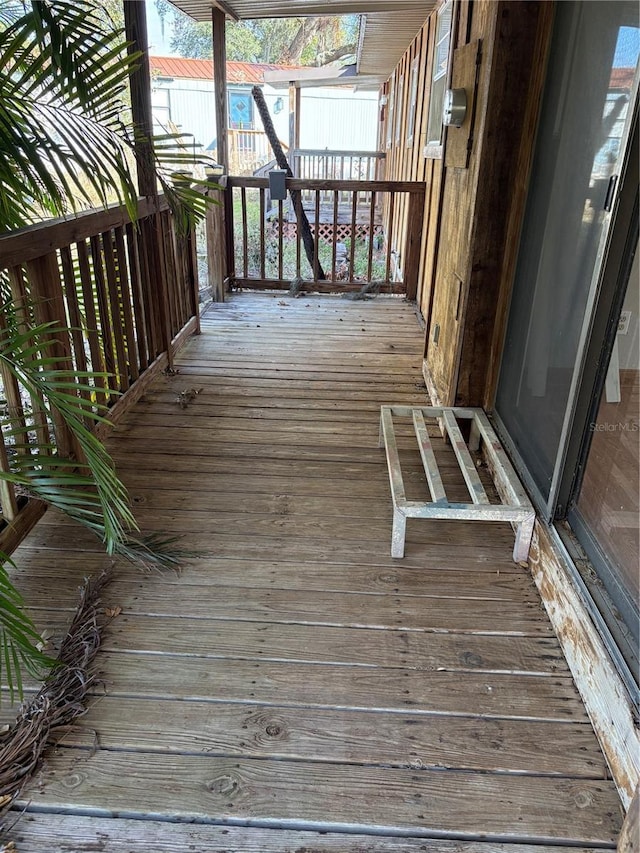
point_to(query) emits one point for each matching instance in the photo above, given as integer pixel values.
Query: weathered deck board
(498, 581)
(343, 687)
(343, 797)
(316, 734)
(294, 677)
(354, 646)
(64, 833)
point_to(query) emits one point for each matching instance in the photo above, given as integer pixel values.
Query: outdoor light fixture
(454, 108)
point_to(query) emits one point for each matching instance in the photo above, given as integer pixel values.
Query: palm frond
(93, 494)
(65, 129)
(19, 638)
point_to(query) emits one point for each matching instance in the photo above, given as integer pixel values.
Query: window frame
(440, 75)
(413, 102)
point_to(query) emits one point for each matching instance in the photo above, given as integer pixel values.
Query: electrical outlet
(623, 322)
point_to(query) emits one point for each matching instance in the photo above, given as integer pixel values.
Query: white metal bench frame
(515, 507)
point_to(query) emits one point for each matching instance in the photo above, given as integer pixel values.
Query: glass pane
(609, 504)
(592, 64)
(439, 74)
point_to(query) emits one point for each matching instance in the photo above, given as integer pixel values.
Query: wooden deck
(296, 689)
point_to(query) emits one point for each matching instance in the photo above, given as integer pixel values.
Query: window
(413, 102)
(390, 106)
(240, 110)
(439, 81)
(399, 109)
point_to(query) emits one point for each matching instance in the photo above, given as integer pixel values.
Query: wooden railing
(249, 150)
(126, 295)
(312, 164)
(352, 244)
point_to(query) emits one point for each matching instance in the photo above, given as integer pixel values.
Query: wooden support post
(136, 32)
(229, 242)
(292, 125)
(135, 24)
(216, 246)
(298, 117)
(411, 262)
(220, 85)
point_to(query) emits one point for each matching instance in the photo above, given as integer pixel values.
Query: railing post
(413, 244)
(229, 242)
(192, 272)
(161, 279)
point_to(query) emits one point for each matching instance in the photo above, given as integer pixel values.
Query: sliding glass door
(579, 155)
(568, 398)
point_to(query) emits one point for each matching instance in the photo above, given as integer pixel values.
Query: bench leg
(524, 533)
(474, 437)
(398, 533)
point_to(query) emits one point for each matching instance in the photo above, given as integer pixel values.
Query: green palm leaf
(19, 638)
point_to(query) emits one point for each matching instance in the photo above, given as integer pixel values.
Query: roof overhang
(327, 75)
(388, 27)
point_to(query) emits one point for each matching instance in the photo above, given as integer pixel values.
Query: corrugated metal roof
(202, 69)
(389, 25)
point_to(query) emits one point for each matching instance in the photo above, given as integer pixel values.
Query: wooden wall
(405, 159)
(471, 208)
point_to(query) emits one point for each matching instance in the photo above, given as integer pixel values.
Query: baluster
(8, 502)
(20, 301)
(352, 253)
(75, 321)
(102, 306)
(144, 235)
(15, 410)
(115, 315)
(334, 241)
(392, 202)
(125, 290)
(298, 214)
(245, 240)
(262, 227)
(316, 237)
(280, 238)
(372, 226)
(139, 309)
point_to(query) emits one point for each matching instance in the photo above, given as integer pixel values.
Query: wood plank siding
(471, 216)
(295, 688)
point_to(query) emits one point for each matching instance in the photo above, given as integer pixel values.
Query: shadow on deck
(295, 680)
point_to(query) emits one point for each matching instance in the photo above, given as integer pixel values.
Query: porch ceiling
(388, 26)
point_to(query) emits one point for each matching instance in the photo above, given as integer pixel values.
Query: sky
(157, 45)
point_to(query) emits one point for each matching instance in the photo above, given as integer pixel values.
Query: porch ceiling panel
(388, 26)
(386, 36)
(200, 10)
